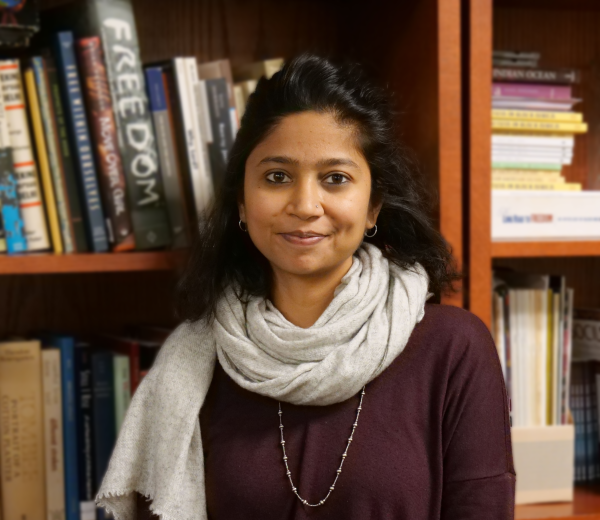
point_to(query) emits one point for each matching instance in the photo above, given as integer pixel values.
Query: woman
(310, 379)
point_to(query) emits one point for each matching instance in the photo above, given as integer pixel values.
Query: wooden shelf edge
(543, 248)
(585, 506)
(92, 262)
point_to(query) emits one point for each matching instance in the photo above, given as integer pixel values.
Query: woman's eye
(336, 178)
(278, 177)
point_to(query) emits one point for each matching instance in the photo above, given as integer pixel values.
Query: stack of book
(533, 138)
(101, 153)
(532, 328)
(585, 385)
(63, 401)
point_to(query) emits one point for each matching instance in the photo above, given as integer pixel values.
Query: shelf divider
(546, 248)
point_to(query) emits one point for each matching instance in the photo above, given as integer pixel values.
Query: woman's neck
(302, 299)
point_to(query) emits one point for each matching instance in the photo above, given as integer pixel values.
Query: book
(85, 429)
(538, 126)
(65, 157)
(515, 103)
(105, 143)
(531, 90)
(220, 121)
(122, 388)
(103, 395)
(538, 115)
(44, 166)
(586, 334)
(527, 176)
(22, 432)
(52, 149)
(79, 136)
(502, 165)
(114, 22)
(66, 345)
(53, 434)
(2, 234)
(520, 139)
(169, 164)
(28, 184)
(552, 186)
(222, 69)
(527, 75)
(12, 222)
(525, 215)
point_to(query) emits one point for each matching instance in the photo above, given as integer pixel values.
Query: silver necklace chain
(339, 470)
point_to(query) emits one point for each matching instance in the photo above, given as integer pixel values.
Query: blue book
(79, 133)
(9, 204)
(103, 395)
(66, 344)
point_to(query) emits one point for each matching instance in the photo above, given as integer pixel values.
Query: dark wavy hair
(222, 254)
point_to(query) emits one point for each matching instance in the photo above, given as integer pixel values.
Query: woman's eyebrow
(280, 159)
(336, 161)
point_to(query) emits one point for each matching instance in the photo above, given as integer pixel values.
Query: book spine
(44, 166)
(9, 201)
(168, 158)
(192, 151)
(537, 115)
(122, 389)
(116, 26)
(2, 233)
(525, 166)
(220, 118)
(106, 143)
(538, 126)
(22, 432)
(73, 103)
(48, 120)
(65, 158)
(53, 434)
(28, 185)
(201, 126)
(85, 428)
(516, 74)
(533, 91)
(104, 411)
(556, 186)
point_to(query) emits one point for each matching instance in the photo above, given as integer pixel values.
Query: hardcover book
(106, 143)
(80, 138)
(28, 183)
(534, 75)
(22, 433)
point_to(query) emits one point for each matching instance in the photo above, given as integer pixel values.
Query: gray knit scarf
(366, 326)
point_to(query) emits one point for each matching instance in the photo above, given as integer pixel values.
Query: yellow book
(527, 176)
(40, 142)
(545, 127)
(538, 115)
(549, 186)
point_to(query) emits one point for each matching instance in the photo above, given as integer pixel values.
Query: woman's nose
(305, 201)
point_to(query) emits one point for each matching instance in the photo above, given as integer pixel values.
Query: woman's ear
(373, 213)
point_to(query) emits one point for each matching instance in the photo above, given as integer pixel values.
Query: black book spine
(220, 121)
(116, 26)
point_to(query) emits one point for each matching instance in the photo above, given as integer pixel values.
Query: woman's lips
(303, 240)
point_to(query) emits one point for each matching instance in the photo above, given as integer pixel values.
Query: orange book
(22, 431)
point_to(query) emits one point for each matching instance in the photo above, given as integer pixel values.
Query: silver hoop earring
(244, 228)
(374, 232)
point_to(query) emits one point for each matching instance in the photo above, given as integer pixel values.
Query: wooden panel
(479, 52)
(91, 263)
(565, 38)
(77, 303)
(585, 506)
(536, 249)
(583, 274)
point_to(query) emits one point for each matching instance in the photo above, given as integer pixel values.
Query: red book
(106, 144)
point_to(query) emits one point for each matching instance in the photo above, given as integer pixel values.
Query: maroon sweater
(432, 441)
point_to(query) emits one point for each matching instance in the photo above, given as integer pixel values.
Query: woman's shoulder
(456, 336)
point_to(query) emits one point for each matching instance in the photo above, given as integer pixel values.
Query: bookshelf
(566, 34)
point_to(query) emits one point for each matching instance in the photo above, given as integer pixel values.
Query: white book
(193, 152)
(541, 296)
(529, 158)
(550, 215)
(533, 140)
(201, 139)
(498, 330)
(29, 190)
(514, 356)
(53, 434)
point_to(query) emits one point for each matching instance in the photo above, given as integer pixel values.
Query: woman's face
(306, 199)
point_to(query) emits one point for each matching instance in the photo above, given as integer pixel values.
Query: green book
(525, 166)
(122, 384)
